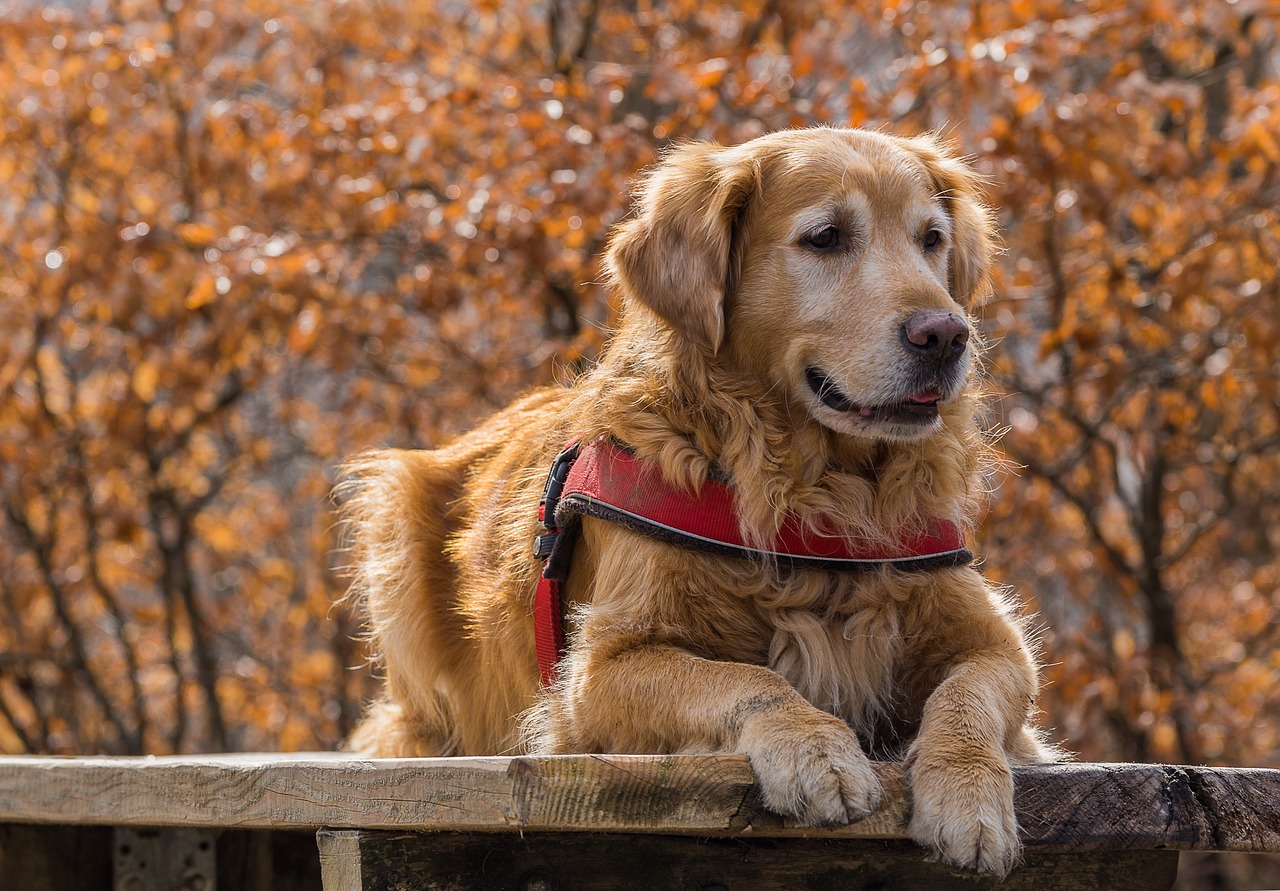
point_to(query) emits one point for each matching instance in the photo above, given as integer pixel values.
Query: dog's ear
(678, 256)
(972, 224)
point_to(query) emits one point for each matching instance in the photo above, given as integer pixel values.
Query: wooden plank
(633, 793)
(380, 861)
(1080, 807)
(341, 868)
(1070, 807)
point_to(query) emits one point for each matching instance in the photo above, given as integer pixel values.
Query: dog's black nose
(936, 335)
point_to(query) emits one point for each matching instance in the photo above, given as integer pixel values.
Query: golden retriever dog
(795, 321)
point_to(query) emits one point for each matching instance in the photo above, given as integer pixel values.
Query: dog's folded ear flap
(973, 231)
(677, 255)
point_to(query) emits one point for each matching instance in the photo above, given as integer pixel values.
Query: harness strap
(603, 480)
(611, 483)
(553, 549)
(548, 629)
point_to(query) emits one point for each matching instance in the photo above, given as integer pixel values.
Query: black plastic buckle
(554, 487)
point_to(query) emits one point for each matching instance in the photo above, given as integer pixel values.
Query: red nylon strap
(607, 480)
(548, 629)
(548, 611)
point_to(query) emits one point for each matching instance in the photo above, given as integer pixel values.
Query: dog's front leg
(959, 764)
(622, 695)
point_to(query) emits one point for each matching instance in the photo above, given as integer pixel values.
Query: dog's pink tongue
(926, 397)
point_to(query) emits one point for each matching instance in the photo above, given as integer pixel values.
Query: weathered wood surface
(1084, 807)
(363, 860)
(1069, 807)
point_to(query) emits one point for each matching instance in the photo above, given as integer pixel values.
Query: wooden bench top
(1061, 807)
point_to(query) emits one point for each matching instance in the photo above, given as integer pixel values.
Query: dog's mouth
(920, 407)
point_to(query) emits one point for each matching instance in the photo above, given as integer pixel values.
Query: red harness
(603, 480)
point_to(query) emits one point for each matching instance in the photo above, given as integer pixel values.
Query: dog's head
(836, 266)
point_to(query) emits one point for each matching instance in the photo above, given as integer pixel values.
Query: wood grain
(1069, 807)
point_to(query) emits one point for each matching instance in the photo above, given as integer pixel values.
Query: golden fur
(729, 293)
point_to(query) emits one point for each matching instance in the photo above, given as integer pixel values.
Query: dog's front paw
(812, 769)
(963, 810)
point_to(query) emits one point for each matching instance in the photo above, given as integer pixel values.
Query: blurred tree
(1139, 327)
(242, 241)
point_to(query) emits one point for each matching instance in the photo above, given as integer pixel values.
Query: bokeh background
(243, 239)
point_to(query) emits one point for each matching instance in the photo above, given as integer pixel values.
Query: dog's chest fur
(839, 640)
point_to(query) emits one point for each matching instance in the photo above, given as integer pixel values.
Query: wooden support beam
(362, 860)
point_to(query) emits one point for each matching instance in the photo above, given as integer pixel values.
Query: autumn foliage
(241, 241)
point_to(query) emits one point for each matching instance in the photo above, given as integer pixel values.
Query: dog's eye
(932, 240)
(825, 239)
